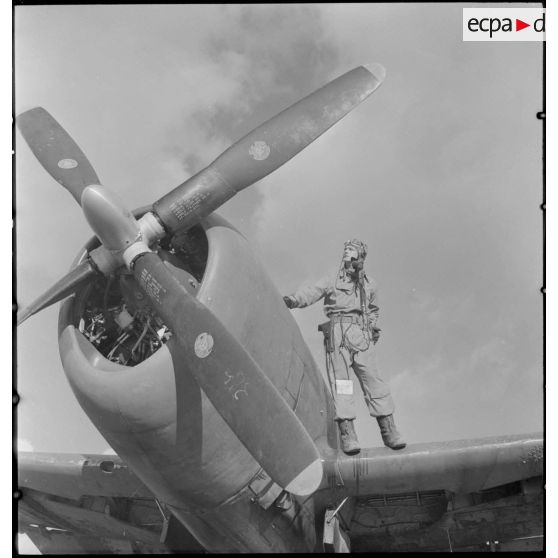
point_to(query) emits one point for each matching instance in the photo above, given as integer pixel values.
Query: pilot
(351, 304)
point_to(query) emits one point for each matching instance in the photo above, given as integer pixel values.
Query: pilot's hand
(290, 301)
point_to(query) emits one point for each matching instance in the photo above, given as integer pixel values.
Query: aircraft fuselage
(161, 423)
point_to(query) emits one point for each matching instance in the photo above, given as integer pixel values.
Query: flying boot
(349, 441)
(390, 436)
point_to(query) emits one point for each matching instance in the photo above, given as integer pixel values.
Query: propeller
(226, 372)
(59, 154)
(64, 287)
(266, 148)
(248, 160)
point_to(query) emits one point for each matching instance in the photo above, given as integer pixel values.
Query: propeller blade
(57, 152)
(266, 148)
(234, 383)
(248, 160)
(61, 289)
(107, 215)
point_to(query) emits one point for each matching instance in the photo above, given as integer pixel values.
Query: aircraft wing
(458, 496)
(73, 503)
(465, 495)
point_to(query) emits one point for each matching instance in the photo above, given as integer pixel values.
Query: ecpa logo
(503, 24)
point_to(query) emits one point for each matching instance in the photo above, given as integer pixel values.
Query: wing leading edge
(457, 466)
(466, 495)
(93, 504)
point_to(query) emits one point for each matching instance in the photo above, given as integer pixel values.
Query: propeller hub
(107, 215)
(250, 159)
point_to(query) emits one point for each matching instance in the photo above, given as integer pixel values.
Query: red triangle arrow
(519, 25)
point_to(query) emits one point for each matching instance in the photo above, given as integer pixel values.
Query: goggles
(360, 247)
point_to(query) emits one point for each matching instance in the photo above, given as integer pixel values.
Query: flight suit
(349, 344)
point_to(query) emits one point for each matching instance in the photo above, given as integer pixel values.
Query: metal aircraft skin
(179, 348)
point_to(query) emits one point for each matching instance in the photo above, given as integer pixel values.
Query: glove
(375, 334)
(290, 301)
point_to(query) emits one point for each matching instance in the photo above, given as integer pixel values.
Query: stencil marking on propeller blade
(182, 209)
(203, 345)
(152, 286)
(259, 150)
(67, 163)
(238, 385)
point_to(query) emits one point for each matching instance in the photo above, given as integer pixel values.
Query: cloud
(477, 381)
(439, 172)
(266, 61)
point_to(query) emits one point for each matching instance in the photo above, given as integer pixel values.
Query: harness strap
(346, 318)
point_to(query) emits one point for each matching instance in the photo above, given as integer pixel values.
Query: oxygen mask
(354, 252)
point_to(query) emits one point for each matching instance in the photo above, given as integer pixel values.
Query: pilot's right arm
(309, 294)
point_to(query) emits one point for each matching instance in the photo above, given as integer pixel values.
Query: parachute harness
(357, 278)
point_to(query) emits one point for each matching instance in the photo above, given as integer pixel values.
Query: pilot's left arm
(373, 311)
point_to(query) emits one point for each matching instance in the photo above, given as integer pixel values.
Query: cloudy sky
(439, 172)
